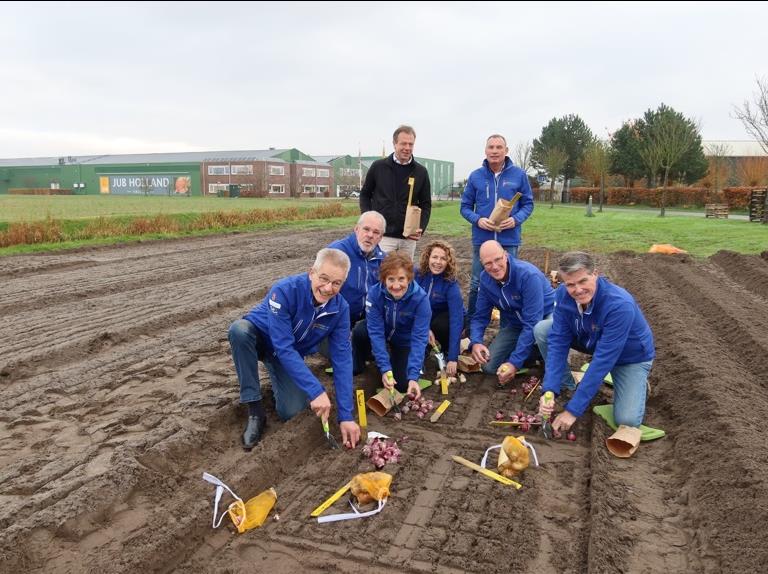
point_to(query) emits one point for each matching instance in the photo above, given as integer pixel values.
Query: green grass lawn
(561, 228)
(36, 207)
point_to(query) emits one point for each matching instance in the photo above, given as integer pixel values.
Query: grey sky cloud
(332, 78)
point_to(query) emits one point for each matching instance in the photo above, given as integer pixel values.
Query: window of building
(242, 170)
(322, 189)
(214, 188)
(218, 170)
(309, 189)
(276, 170)
(276, 188)
(323, 172)
(349, 171)
(308, 171)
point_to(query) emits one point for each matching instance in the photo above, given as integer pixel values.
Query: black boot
(253, 431)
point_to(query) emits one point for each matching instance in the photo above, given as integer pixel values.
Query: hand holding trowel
(441, 367)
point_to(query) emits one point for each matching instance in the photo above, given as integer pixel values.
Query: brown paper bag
(502, 209)
(624, 442)
(412, 220)
(381, 403)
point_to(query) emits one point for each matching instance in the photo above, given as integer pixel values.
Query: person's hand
(487, 224)
(432, 340)
(388, 380)
(414, 388)
(563, 421)
(546, 409)
(350, 433)
(480, 353)
(321, 406)
(416, 236)
(508, 223)
(451, 368)
(506, 372)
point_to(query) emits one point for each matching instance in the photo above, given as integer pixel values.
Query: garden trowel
(546, 424)
(328, 436)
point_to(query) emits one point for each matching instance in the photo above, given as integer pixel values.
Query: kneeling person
(298, 312)
(523, 296)
(594, 316)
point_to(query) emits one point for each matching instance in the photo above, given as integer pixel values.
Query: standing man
(497, 178)
(298, 312)
(594, 316)
(386, 190)
(524, 297)
(365, 256)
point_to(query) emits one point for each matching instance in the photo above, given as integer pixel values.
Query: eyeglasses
(498, 261)
(324, 280)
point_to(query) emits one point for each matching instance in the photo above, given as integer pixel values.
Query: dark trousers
(361, 352)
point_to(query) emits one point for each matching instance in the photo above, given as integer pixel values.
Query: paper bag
(623, 443)
(502, 209)
(412, 220)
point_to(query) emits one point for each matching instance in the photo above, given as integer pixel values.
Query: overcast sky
(332, 78)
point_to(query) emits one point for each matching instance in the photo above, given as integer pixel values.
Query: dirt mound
(118, 392)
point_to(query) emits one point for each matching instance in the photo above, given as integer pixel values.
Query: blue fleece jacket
(480, 196)
(443, 296)
(402, 323)
(612, 329)
(523, 300)
(292, 327)
(363, 273)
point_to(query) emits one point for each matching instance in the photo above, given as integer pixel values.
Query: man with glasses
(296, 315)
(523, 296)
(498, 178)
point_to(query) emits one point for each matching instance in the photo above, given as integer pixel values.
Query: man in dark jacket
(594, 316)
(388, 185)
(297, 313)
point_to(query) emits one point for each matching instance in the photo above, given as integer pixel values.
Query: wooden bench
(716, 210)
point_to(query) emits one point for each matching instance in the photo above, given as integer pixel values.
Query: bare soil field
(117, 392)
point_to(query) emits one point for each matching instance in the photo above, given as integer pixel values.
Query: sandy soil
(117, 391)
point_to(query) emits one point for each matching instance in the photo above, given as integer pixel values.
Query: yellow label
(334, 497)
(485, 472)
(444, 385)
(444, 405)
(361, 408)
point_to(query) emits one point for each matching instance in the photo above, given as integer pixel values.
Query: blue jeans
(629, 381)
(247, 348)
(501, 348)
(477, 268)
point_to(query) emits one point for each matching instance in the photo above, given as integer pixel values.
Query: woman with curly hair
(396, 326)
(436, 274)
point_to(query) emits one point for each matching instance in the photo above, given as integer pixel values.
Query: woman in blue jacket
(396, 326)
(436, 274)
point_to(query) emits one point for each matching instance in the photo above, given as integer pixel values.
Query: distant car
(354, 194)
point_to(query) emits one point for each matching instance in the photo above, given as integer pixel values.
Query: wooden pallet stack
(757, 205)
(716, 210)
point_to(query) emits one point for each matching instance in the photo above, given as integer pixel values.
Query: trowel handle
(549, 398)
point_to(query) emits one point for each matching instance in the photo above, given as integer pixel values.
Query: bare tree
(554, 159)
(752, 171)
(595, 165)
(754, 115)
(522, 157)
(718, 164)
(669, 138)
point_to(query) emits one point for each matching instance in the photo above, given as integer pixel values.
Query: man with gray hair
(296, 315)
(594, 316)
(389, 183)
(365, 255)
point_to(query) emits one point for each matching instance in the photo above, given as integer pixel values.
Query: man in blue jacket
(298, 312)
(365, 256)
(523, 296)
(497, 178)
(594, 316)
